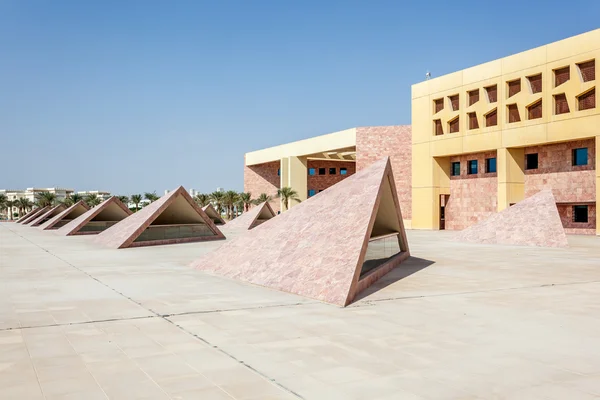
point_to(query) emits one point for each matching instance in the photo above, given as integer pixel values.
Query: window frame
(574, 157)
(487, 165)
(575, 213)
(343, 171)
(537, 161)
(453, 166)
(470, 165)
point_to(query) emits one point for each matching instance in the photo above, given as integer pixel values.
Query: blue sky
(133, 96)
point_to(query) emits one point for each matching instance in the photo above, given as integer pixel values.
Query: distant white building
(101, 194)
(30, 193)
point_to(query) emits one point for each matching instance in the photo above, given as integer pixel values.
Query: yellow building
(488, 136)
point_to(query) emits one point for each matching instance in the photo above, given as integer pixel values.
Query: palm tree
(124, 199)
(25, 205)
(9, 204)
(151, 197)
(45, 199)
(246, 200)
(3, 201)
(93, 200)
(262, 198)
(202, 199)
(217, 200)
(136, 199)
(287, 194)
(72, 199)
(230, 197)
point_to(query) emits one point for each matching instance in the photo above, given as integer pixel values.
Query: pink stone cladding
(321, 182)
(245, 221)
(569, 184)
(473, 198)
(263, 178)
(53, 221)
(532, 222)
(326, 269)
(34, 215)
(124, 233)
(73, 227)
(27, 215)
(375, 142)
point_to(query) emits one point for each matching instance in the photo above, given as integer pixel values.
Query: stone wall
(376, 142)
(321, 182)
(473, 198)
(577, 228)
(263, 178)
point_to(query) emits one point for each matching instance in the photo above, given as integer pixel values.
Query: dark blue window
(311, 192)
(311, 171)
(278, 172)
(331, 171)
(490, 165)
(455, 169)
(473, 167)
(580, 156)
(343, 171)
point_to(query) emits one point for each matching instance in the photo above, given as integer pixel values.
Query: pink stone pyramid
(111, 209)
(213, 214)
(319, 248)
(34, 215)
(69, 214)
(251, 219)
(27, 215)
(532, 222)
(51, 213)
(174, 209)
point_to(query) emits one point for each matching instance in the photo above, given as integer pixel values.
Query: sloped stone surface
(124, 233)
(54, 211)
(73, 227)
(36, 215)
(532, 222)
(315, 249)
(213, 214)
(54, 220)
(28, 215)
(248, 219)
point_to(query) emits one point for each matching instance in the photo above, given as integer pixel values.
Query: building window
(580, 156)
(535, 83)
(587, 100)
(513, 113)
(588, 70)
(491, 118)
(473, 97)
(343, 171)
(561, 75)
(472, 167)
(312, 171)
(437, 127)
(455, 169)
(531, 161)
(534, 111)
(580, 214)
(473, 124)
(561, 106)
(453, 125)
(278, 172)
(492, 93)
(438, 105)
(490, 165)
(332, 171)
(311, 192)
(514, 87)
(454, 102)
(322, 171)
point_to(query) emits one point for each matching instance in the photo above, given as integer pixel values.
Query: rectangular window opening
(490, 165)
(322, 171)
(332, 171)
(472, 167)
(311, 171)
(531, 161)
(580, 156)
(343, 171)
(455, 169)
(580, 214)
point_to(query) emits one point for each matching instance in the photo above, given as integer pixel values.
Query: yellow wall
(428, 149)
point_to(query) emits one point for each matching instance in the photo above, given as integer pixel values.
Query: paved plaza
(455, 321)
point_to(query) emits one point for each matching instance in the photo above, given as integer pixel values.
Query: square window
(490, 165)
(531, 161)
(580, 156)
(312, 171)
(332, 171)
(455, 169)
(472, 167)
(580, 214)
(321, 171)
(343, 171)
(311, 192)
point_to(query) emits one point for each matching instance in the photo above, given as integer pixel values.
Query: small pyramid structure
(27, 215)
(51, 213)
(213, 214)
(251, 219)
(534, 221)
(174, 218)
(34, 215)
(108, 213)
(68, 215)
(329, 247)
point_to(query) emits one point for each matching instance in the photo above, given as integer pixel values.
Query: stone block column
(293, 173)
(510, 164)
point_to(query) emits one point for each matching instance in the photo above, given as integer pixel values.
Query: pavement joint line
(157, 315)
